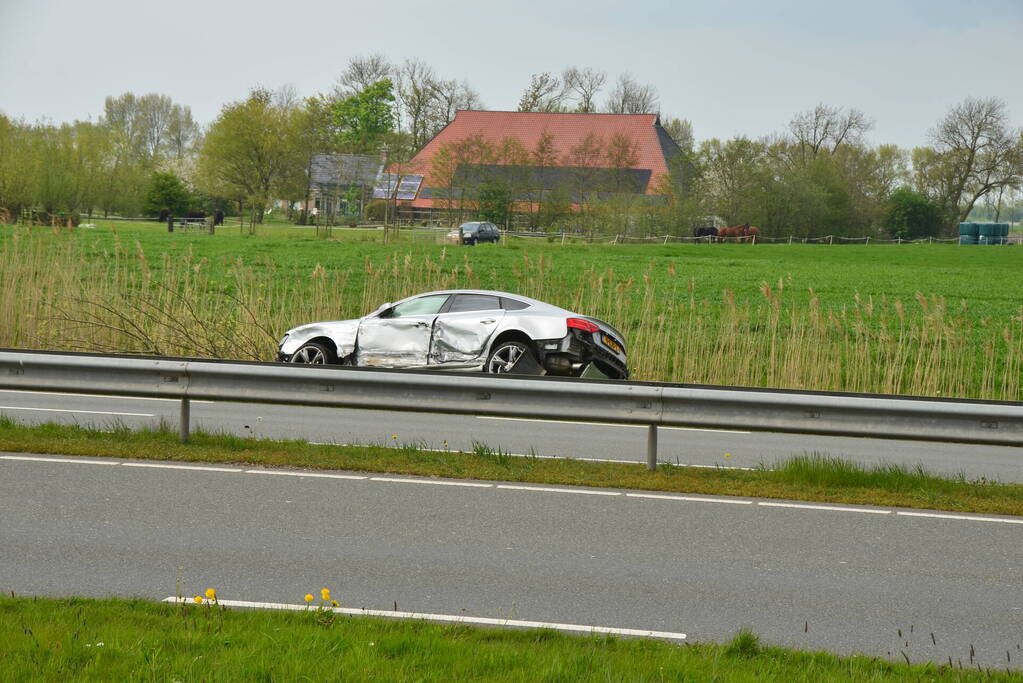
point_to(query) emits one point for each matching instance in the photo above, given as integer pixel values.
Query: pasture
(916, 319)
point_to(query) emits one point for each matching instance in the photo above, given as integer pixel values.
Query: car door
(399, 337)
(463, 330)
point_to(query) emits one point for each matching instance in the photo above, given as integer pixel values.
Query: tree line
(818, 176)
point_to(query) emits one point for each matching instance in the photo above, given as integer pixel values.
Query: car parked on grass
(476, 232)
(465, 329)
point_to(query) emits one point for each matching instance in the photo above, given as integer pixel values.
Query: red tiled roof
(568, 130)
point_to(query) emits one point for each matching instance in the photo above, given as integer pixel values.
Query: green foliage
(363, 119)
(494, 202)
(910, 214)
(166, 192)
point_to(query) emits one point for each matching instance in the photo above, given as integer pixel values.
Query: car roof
(508, 295)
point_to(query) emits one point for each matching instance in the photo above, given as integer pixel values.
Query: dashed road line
(73, 461)
(691, 499)
(465, 484)
(86, 412)
(513, 487)
(831, 508)
(451, 619)
(939, 515)
(201, 468)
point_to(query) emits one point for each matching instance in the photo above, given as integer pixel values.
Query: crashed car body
(465, 330)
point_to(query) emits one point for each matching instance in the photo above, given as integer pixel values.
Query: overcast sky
(732, 67)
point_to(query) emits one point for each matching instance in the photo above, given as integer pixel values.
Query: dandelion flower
(394, 436)
(728, 455)
(211, 594)
(308, 597)
(198, 599)
(325, 594)
(335, 603)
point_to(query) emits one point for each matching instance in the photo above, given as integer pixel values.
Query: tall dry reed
(60, 292)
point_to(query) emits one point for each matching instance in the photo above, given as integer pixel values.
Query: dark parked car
(465, 329)
(476, 232)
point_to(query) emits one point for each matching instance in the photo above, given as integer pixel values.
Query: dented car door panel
(461, 337)
(395, 342)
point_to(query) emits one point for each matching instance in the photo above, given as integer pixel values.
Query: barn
(530, 159)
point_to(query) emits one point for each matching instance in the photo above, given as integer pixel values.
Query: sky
(732, 67)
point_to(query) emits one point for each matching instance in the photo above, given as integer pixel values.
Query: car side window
(424, 305)
(474, 302)
(512, 304)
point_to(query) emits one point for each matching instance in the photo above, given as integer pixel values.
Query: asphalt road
(567, 439)
(842, 578)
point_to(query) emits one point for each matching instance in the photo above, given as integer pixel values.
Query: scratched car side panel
(342, 332)
(459, 337)
(394, 342)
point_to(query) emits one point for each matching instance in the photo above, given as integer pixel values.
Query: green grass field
(105, 640)
(922, 319)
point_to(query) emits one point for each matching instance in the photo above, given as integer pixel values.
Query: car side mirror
(383, 309)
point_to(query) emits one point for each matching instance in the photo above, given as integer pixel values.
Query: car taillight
(580, 324)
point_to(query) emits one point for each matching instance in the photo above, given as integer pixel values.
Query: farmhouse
(530, 159)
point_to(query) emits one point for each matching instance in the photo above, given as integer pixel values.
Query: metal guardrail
(643, 403)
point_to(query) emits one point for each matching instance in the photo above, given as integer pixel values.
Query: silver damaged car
(465, 329)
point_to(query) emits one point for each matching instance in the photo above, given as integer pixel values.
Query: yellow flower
(728, 455)
(308, 597)
(335, 603)
(198, 599)
(211, 594)
(394, 436)
(325, 594)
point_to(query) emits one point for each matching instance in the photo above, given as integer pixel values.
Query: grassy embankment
(927, 320)
(100, 640)
(812, 477)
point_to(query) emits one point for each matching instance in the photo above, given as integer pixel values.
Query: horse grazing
(705, 232)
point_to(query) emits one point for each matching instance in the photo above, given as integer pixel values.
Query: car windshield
(470, 227)
(424, 305)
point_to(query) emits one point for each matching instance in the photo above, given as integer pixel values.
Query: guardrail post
(651, 447)
(185, 418)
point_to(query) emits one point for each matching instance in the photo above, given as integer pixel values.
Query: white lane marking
(466, 484)
(825, 507)
(689, 498)
(86, 461)
(67, 410)
(554, 490)
(609, 424)
(967, 517)
(180, 467)
(451, 618)
(76, 461)
(305, 474)
(61, 393)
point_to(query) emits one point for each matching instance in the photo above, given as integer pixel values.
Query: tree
(250, 152)
(166, 192)
(681, 131)
(544, 93)
(543, 156)
(975, 152)
(417, 94)
(449, 97)
(584, 84)
(361, 73)
(910, 214)
(366, 117)
(629, 97)
(827, 128)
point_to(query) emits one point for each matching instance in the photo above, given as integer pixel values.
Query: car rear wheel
(505, 355)
(314, 353)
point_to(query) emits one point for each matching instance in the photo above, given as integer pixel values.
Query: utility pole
(384, 149)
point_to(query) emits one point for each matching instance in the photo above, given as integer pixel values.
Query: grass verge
(811, 477)
(92, 640)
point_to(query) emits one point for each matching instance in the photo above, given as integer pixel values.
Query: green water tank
(968, 239)
(971, 229)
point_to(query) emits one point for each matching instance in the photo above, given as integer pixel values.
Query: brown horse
(739, 232)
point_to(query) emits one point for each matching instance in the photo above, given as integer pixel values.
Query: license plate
(612, 344)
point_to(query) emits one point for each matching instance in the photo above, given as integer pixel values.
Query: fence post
(185, 419)
(170, 223)
(831, 239)
(651, 447)
(868, 240)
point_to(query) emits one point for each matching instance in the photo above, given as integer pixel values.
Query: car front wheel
(505, 355)
(314, 354)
